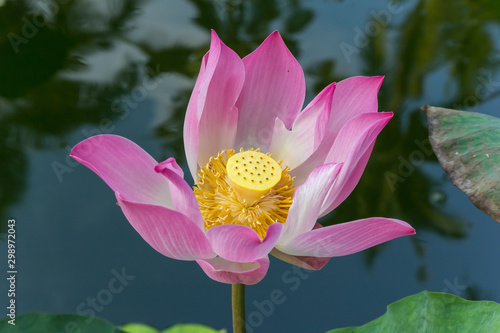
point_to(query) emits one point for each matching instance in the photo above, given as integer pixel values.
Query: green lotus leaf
(191, 328)
(138, 328)
(179, 328)
(467, 145)
(433, 312)
(56, 323)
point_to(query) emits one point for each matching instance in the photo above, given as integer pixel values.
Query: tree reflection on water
(43, 100)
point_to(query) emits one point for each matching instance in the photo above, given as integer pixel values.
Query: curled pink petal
(242, 244)
(307, 202)
(230, 272)
(353, 147)
(352, 97)
(274, 88)
(347, 238)
(216, 114)
(125, 167)
(295, 146)
(193, 115)
(167, 231)
(183, 198)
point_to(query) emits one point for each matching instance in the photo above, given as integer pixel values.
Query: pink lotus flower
(245, 204)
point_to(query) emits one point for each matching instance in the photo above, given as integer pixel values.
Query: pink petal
(211, 111)
(352, 97)
(307, 202)
(242, 244)
(308, 130)
(230, 272)
(274, 87)
(347, 238)
(167, 231)
(312, 263)
(125, 167)
(193, 115)
(183, 198)
(353, 147)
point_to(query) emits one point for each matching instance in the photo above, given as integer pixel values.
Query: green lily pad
(65, 323)
(191, 328)
(179, 328)
(467, 145)
(138, 328)
(56, 323)
(436, 313)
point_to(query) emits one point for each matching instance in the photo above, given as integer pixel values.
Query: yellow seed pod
(252, 174)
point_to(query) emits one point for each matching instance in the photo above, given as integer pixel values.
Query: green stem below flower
(238, 300)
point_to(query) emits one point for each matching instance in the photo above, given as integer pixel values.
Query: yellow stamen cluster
(248, 188)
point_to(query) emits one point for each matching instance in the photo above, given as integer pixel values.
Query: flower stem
(238, 300)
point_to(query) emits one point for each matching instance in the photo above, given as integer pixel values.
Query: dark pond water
(72, 69)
